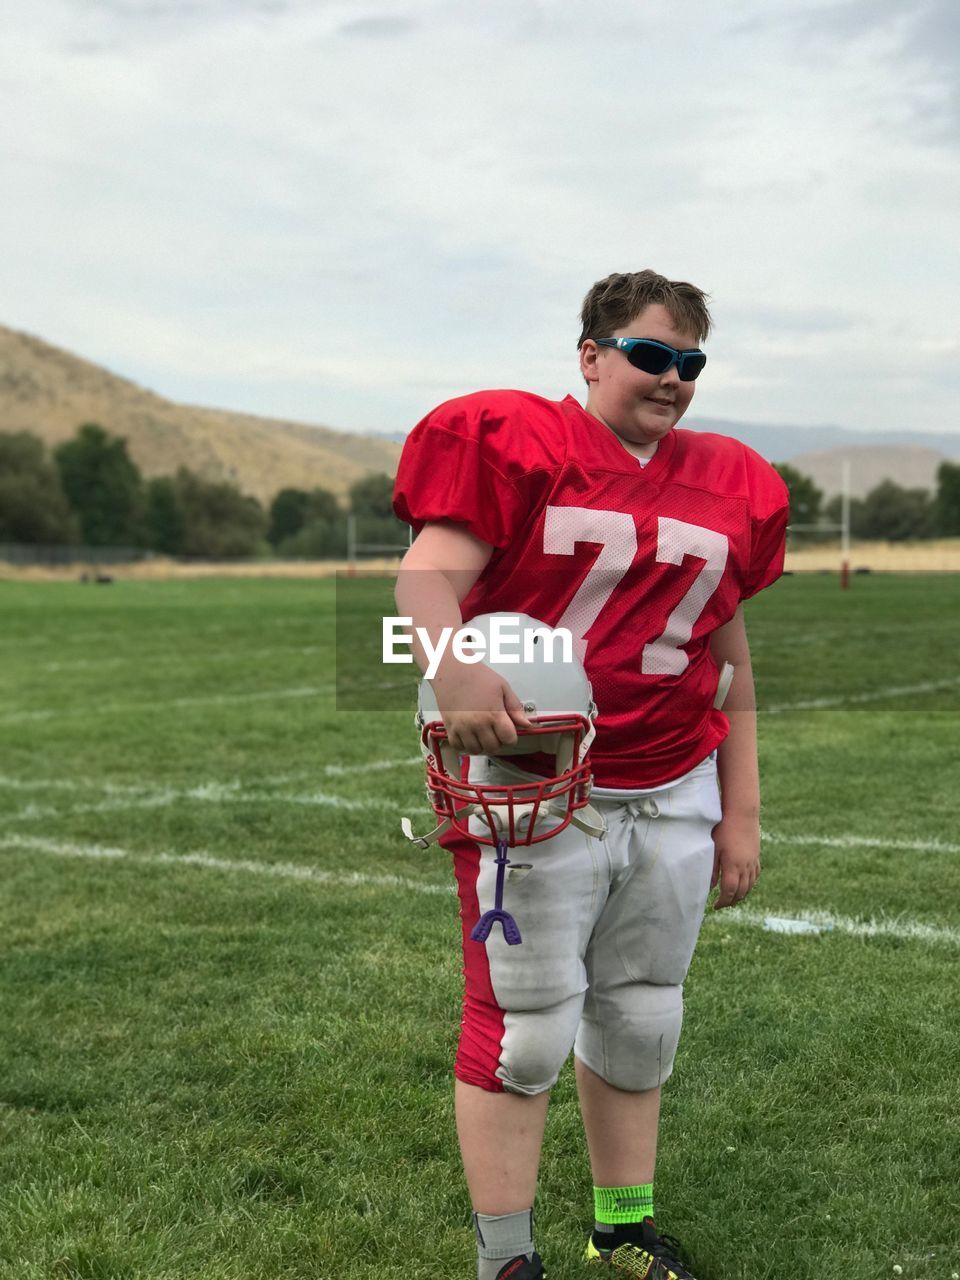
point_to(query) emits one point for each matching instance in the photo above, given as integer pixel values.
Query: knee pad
(520, 1051)
(633, 1044)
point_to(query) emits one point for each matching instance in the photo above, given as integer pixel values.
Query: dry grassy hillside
(910, 466)
(51, 392)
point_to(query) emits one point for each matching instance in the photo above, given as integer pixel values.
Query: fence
(36, 554)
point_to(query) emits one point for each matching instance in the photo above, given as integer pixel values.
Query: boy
(642, 540)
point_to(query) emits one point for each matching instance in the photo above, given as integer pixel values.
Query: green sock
(617, 1207)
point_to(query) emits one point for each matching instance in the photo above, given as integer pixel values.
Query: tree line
(89, 492)
(888, 512)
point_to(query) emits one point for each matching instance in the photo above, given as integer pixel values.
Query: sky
(347, 213)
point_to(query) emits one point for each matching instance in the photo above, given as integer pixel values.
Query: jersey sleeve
(455, 467)
(770, 511)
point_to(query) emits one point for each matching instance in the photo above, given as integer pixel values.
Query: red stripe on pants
(482, 1025)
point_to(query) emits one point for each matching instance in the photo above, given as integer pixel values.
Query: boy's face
(640, 407)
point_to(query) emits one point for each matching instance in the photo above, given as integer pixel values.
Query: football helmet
(556, 695)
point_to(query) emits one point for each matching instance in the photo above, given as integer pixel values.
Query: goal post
(843, 527)
(356, 546)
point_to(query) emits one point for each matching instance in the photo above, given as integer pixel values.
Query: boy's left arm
(736, 836)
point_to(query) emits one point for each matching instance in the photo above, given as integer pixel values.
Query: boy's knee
(635, 1049)
(529, 1053)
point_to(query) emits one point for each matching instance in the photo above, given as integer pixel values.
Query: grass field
(229, 991)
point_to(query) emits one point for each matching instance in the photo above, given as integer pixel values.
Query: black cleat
(646, 1257)
(523, 1268)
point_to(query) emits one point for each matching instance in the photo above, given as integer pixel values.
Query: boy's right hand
(480, 711)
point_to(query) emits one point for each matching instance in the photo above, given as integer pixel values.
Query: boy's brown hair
(616, 300)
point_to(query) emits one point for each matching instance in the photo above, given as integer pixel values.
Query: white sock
(501, 1237)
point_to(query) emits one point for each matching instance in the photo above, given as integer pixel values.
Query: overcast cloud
(344, 213)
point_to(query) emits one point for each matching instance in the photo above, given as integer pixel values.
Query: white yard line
(42, 714)
(143, 795)
(864, 842)
(237, 792)
(853, 699)
(160, 704)
(161, 658)
(243, 866)
(10, 783)
(209, 793)
(373, 766)
(826, 921)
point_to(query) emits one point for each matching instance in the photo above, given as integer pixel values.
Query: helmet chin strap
(424, 842)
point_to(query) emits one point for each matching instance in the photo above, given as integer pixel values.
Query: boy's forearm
(430, 598)
(737, 766)
(428, 590)
(737, 755)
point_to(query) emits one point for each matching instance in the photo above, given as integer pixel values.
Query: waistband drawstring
(645, 805)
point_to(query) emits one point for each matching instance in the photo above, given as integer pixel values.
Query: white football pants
(609, 927)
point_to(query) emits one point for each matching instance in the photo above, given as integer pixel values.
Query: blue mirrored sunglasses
(655, 357)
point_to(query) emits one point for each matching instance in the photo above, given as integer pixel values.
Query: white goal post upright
(843, 528)
(353, 546)
(845, 523)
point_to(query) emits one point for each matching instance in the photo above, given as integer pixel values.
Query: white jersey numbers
(563, 528)
(616, 532)
(676, 539)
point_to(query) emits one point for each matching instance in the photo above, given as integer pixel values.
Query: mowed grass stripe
(909, 930)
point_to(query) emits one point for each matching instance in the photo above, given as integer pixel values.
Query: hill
(782, 443)
(911, 467)
(50, 392)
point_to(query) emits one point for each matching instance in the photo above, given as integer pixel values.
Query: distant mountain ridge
(780, 443)
(907, 466)
(908, 458)
(50, 392)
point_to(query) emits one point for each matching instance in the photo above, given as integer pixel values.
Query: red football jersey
(641, 562)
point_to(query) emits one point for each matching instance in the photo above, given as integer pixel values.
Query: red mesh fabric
(642, 563)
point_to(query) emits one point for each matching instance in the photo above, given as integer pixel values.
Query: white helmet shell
(541, 667)
(537, 661)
